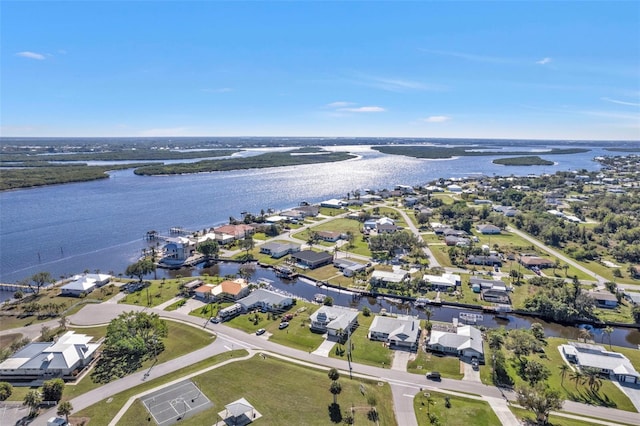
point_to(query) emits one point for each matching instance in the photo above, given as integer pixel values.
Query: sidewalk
(501, 408)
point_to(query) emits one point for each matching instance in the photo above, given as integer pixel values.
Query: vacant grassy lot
(285, 394)
(448, 366)
(608, 395)
(462, 412)
(365, 351)
(523, 414)
(162, 290)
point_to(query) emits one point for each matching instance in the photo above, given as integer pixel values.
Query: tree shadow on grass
(335, 414)
(589, 396)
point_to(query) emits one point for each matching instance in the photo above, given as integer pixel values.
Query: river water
(100, 225)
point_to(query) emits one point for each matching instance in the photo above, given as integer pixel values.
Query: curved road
(231, 338)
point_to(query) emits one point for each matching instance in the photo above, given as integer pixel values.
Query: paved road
(433, 262)
(600, 280)
(229, 337)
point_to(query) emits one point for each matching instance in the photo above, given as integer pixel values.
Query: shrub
(5, 391)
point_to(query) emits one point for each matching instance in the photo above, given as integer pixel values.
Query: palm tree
(577, 377)
(593, 379)
(32, 399)
(428, 313)
(584, 334)
(608, 330)
(564, 369)
(64, 409)
(333, 374)
(566, 268)
(335, 389)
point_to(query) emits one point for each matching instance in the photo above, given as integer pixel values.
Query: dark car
(434, 375)
(475, 364)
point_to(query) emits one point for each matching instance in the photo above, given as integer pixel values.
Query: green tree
(608, 330)
(335, 389)
(540, 400)
(5, 390)
(64, 409)
(32, 400)
(140, 268)
(247, 245)
(535, 372)
(366, 311)
(577, 377)
(209, 249)
(39, 280)
(52, 389)
(592, 379)
(564, 369)
(333, 374)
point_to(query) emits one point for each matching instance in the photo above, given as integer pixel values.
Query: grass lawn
(323, 273)
(463, 411)
(8, 339)
(608, 395)
(622, 313)
(297, 335)
(523, 414)
(301, 395)
(441, 253)
(102, 412)
(425, 362)
(366, 351)
(162, 290)
(182, 339)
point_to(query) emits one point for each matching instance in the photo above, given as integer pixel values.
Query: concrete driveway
(400, 360)
(470, 374)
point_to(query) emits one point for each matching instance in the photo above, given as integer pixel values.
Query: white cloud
(339, 104)
(31, 55)
(363, 109)
(544, 61)
(615, 101)
(436, 119)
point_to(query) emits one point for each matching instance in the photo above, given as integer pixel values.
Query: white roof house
(595, 356)
(83, 284)
(445, 281)
(50, 359)
(265, 299)
(466, 341)
(388, 277)
(333, 319)
(401, 331)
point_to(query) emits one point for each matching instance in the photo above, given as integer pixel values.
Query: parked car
(287, 318)
(283, 325)
(260, 332)
(475, 364)
(215, 320)
(433, 375)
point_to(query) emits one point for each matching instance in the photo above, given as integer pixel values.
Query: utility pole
(349, 352)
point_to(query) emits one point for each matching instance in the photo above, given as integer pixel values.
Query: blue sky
(557, 70)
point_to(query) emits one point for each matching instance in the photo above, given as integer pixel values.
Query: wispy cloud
(436, 119)
(615, 101)
(32, 55)
(393, 84)
(544, 61)
(363, 109)
(219, 90)
(339, 104)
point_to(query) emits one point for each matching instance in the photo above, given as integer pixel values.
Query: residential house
(230, 290)
(310, 259)
(64, 358)
(336, 321)
(451, 240)
(238, 231)
(191, 286)
(488, 229)
(535, 261)
(266, 300)
(386, 225)
(383, 278)
(454, 188)
(465, 342)
(604, 299)
(329, 236)
(399, 332)
(496, 295)
(204, 292)
(450, 232)
(445, 282)
(84, 284)
(490, 260)
(312, 211)
(410, 201)
(348, 267)
(277, 250)
(178, 249)
(332, 204)
(613, 364)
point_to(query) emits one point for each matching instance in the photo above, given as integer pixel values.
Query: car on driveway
(283, 325)
(475, 364)
(433, 375)
(260, 332)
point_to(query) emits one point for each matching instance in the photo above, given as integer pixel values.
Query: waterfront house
(178, 249)
(336, 321)
(349, 267)
(384, 278)
(238, 232)
(82, 285)
(332, 204)
(496, 295)
(604, 299)
(277, 250)
(37, 361)
(265, 300)
(312, 211)
(309, 259)
(488, 229)
(612, 364)
(401, 332)
(444, 282)
(230, 290)
(204, 292)
(466, 341)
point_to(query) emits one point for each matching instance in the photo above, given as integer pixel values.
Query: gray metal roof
(263, 296)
